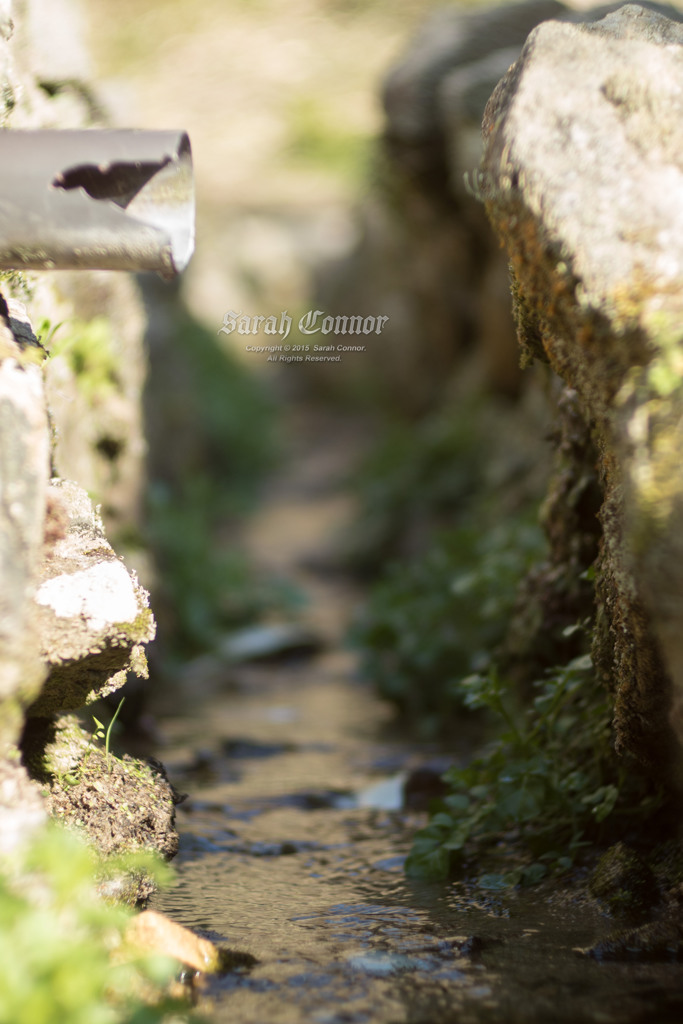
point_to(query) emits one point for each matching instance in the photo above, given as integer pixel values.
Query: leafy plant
(435, 620)
(57, 937)
(548, 785)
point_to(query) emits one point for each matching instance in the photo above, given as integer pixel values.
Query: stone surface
(583, 179)
(24, 470)
(73, 620)
(450, 39)
(120, 805)
(92, 614)
(152, 932)
(426, 256)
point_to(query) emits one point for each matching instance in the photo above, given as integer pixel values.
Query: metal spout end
(96, 200)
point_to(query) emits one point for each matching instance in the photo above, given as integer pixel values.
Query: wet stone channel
(292, 849)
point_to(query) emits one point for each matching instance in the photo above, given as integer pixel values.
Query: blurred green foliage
(210, 587)
(56, 940)
(87, 347)
(217, 414)
(318, 141)
(449, 551)
(432, 632)
(547, 786)
(418, 478)
(431, 621)
(211, 447)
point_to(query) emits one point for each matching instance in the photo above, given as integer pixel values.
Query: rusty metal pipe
(96, 200)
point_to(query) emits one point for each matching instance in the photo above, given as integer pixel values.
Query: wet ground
(293, 837)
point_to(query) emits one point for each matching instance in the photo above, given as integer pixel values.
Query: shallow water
(279, 859)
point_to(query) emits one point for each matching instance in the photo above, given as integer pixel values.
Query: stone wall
(74, 619)
(579, 172)
(583, 181)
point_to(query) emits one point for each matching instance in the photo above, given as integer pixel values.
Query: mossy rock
(655, 942)
(623, 882)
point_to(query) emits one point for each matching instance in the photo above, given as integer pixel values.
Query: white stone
(102, 594)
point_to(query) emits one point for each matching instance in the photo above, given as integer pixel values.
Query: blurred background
(335, 152)
(282, 106)
(391, 497)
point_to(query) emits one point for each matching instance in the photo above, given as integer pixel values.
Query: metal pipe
(96, 200)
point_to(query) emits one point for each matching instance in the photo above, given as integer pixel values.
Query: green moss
(529, 333)
(60, 745)
(623, 881)
(651, 399)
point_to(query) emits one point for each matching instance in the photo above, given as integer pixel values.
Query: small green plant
(547, 786)
(100, 733)
(57, 937)
(47, 330)
(432, 621)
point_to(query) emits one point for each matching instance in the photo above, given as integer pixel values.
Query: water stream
(279, 861)
(293, 839)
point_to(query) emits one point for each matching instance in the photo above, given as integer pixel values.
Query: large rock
(583, 179)
(451, 39)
